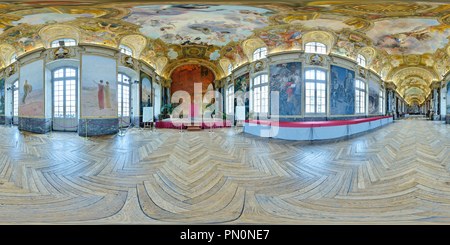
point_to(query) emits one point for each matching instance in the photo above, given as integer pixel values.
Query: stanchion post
(121, 130)
(86, 129)
(51, 126)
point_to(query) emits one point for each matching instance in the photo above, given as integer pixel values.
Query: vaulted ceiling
(408, 41)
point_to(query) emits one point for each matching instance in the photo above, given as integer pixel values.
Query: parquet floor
(398, 173)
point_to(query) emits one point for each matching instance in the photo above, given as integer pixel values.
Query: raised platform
(318, 130)
(188, 124)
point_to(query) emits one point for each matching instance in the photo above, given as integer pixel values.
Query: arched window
(230, 69)
(315, 91)
(230, 99)
(64, 42)
(360, 97)
(123, 97)
(64, 92)
(125, 49)
(381, 102)
(260, 53)
(361, 60)
(315, 47)
(13, 58)
(16, 99)
(260, 94)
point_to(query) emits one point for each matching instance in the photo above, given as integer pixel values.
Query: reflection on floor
(395, 174)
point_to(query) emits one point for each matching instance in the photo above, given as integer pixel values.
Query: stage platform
(318, 130)
(176, 123)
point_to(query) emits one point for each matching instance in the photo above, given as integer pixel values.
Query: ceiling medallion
(386, 8)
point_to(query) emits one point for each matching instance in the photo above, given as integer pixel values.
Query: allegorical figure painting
(31, 92)
(98, 89)
(146, 91)
(374, 98)
(342, 91)
(241, 95)
(287, 80)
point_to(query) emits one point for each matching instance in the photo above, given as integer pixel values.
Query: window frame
(230, 99)
(317, 82)
(230, 69)
(15, 95)
(361, 60)
(317, 46)
(64, 78)
(120, 85)
(259, 53)
(13, 58)
(126, 50)
(67, 42)
(260, 93)
(360, 96)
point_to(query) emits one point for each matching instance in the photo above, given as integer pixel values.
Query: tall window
(260, 94)
(260, 53)
(315, 47)
(13, 58)
(361, 60)
(230, 100)
(230, 69)
(64, 92)
(315, 90)
(67, 42)
(16, 99)
(381, 101)
(126, 50)
(123, 102)
(360, 97)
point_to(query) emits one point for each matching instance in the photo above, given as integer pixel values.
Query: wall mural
(281, 39)
(146, 95)
(184, 77)
(342, 91)
(31, 89)
(241, 92)
(287, 79)
(2, 96)
(374, 98)
(98, 90)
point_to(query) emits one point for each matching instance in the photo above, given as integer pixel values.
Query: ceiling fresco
(397, 37)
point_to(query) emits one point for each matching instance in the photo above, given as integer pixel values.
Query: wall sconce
(136, 81)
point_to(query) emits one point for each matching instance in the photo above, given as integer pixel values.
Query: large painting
(2, 97)
(98, 89)
(31, 90)
(342, 91)
(241, 88)
(146, 91)
(287, 80)
(374, 98)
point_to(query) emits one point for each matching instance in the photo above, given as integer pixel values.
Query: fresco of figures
(98, 89)
(146, 91)
(187, 24)
(374, 98)
(287, 80)
(342, 91)
(241, 92)
(31, 90)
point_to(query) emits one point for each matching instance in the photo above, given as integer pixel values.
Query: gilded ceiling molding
(135, 42)
(6, 51)
(168, 69)
(53, 32)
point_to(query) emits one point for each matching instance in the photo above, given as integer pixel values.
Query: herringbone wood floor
(395, 174)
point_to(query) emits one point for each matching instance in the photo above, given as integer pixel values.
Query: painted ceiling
(408, 41)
